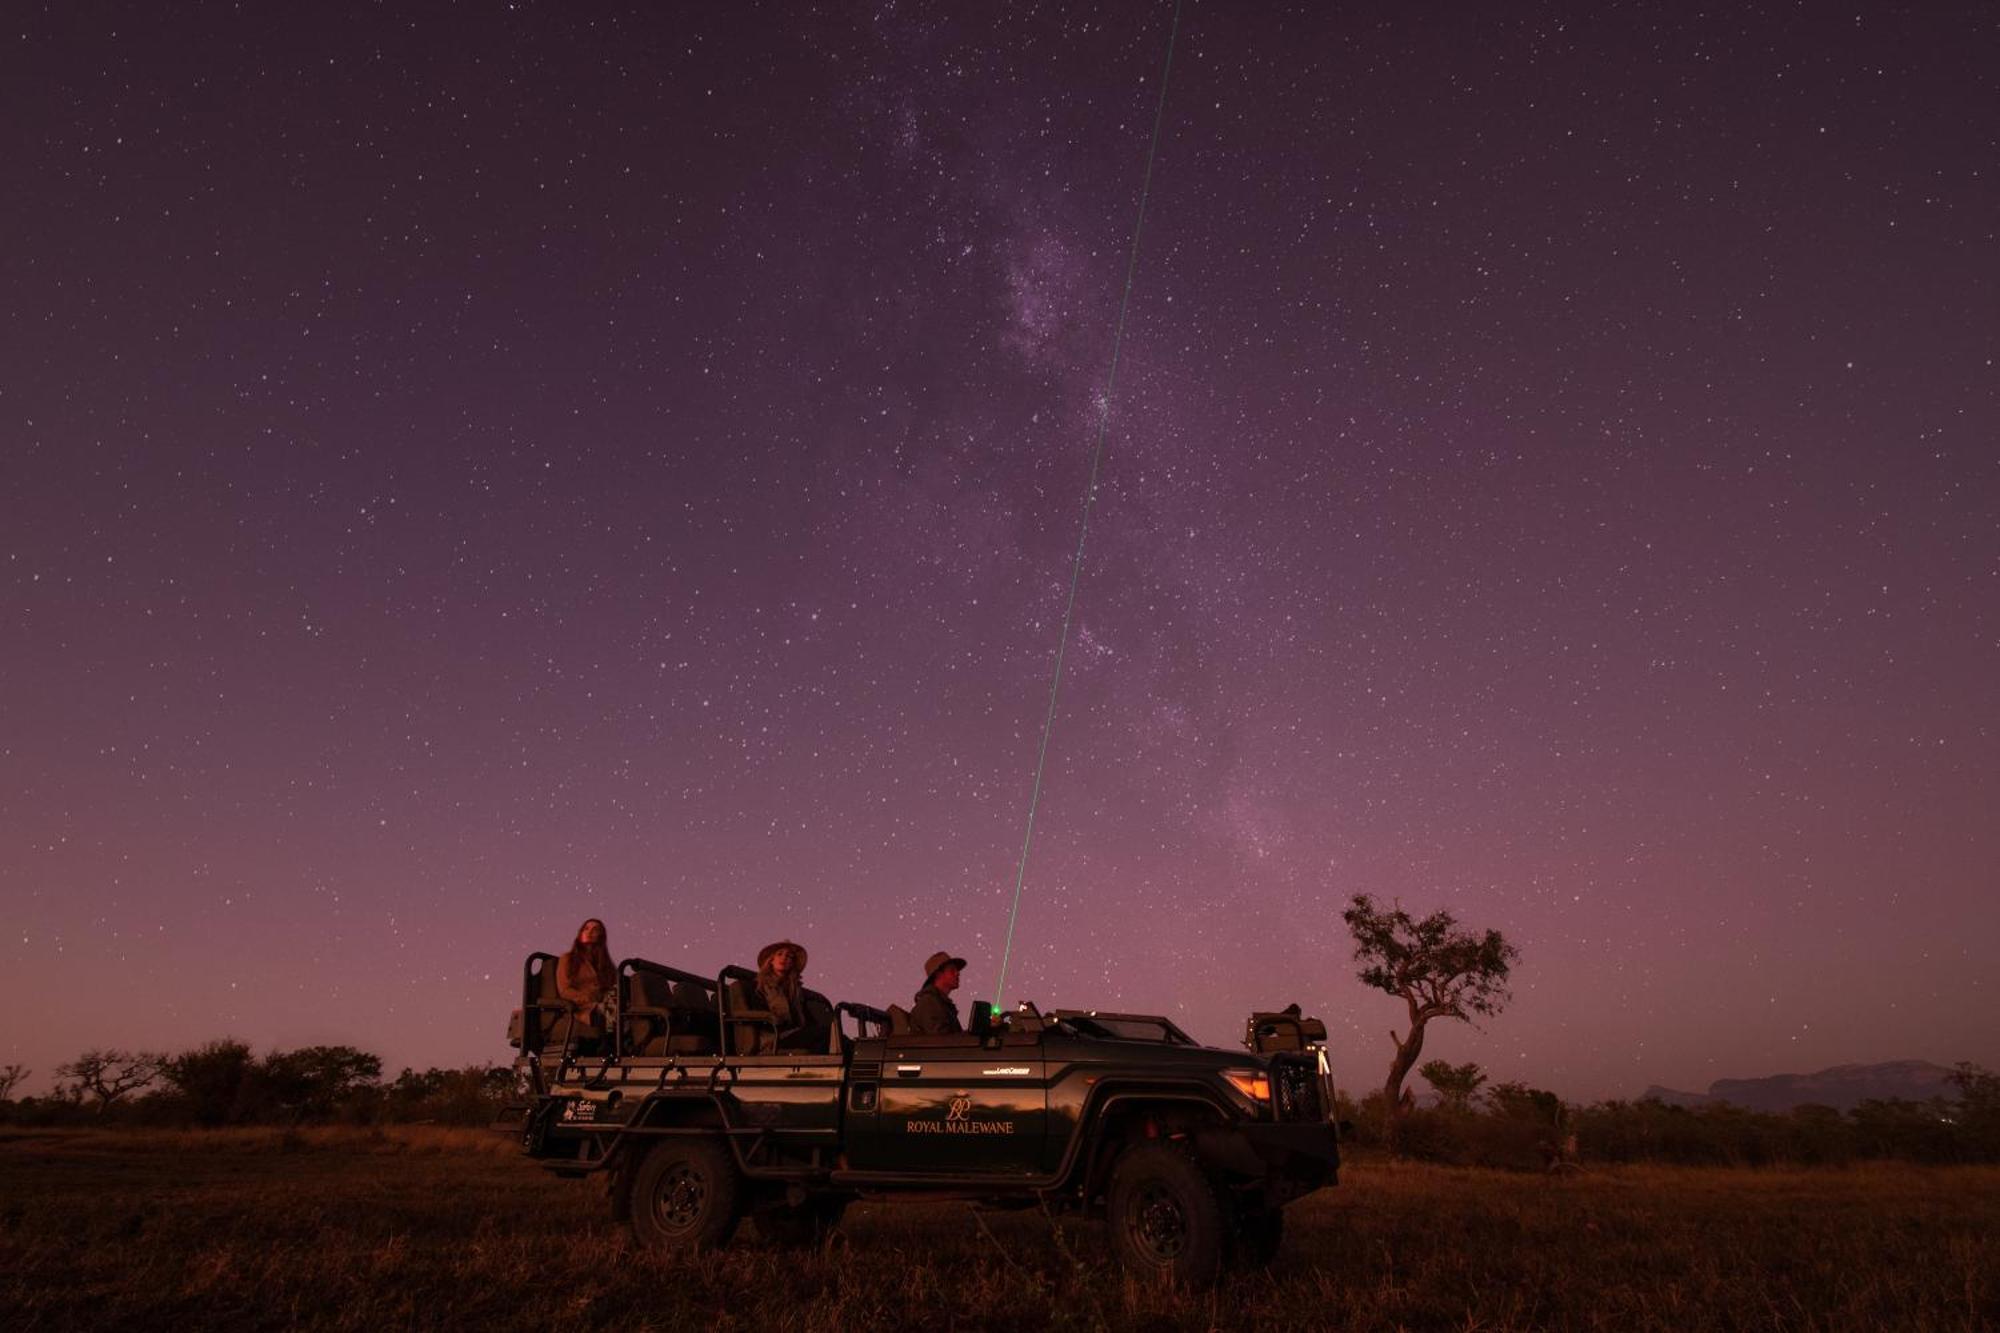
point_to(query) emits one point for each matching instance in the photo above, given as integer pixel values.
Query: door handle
(908, 1071)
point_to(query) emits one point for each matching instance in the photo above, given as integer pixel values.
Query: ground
(429, 1228)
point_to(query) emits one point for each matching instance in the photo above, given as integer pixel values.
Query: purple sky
(468, 467)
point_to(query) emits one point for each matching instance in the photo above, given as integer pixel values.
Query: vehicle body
(1190, 1152)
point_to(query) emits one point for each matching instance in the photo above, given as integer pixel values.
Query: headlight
(1252, 1083)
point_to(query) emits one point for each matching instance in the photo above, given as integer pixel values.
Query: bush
(224, 1082)
(471, 1096)
(1523, 1128)
(215, 1082)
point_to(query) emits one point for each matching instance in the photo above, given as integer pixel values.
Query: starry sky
(469, 467)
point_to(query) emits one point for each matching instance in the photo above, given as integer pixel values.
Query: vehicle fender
(1093, 1152)
(689, 1110)
(1223, 1149)
(658, 1117)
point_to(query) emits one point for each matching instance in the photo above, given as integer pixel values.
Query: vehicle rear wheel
(1259, 1233)
(803, 1223)
(1166, 1219)
(685, 1196)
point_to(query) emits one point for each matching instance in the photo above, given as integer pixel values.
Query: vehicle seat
(818, 1035)
(553, 1020)
(752, 1031)
(899, 1021)
(658, 1021)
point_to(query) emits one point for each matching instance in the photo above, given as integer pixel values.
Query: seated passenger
(586, 978)
(933, 1010)
(781, 969)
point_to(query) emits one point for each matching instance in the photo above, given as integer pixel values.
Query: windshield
(1125, 1027)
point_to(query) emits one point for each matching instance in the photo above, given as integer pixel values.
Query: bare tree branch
(107, 1075)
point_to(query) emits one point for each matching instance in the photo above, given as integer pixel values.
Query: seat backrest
(647, 990)
(666, 1017)
(899, 1021)
(644, 1033)
(751, 1030)
(694, 1019)
(817, 1031)
(551, 1014)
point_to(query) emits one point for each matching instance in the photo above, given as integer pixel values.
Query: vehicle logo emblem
(958, 1119)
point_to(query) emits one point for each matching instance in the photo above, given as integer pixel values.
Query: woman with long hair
(585, 977)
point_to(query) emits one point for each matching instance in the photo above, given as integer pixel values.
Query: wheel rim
(681, 1198)
(1158, 1224)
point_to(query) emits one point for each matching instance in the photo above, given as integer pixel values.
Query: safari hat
(764, 954)
(938, 962)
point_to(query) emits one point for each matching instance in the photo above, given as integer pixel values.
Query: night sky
(469, 467)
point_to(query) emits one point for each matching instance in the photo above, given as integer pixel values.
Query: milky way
(470, 467)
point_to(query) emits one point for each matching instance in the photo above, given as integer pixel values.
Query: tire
(685, 1196)
(1167, 1221)
(797, 1225)
(1259, 1233)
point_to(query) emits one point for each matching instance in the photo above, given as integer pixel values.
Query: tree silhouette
(11, 1077)
(310, 1082)
(1455, 1084)
(1436, 967)
(216, 1080)
(107, 1075)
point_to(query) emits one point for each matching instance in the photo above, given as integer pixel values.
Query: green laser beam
(1089, 499)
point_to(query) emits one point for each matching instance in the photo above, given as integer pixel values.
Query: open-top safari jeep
(687, 1101)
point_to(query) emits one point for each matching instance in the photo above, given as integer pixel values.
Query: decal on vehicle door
(958, 1119)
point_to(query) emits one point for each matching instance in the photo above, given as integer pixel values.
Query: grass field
(449, 1229)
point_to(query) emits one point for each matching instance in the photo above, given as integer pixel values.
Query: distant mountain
(1842, 1087)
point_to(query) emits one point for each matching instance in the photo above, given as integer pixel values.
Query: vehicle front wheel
(1166, 1218)
(685, 1196)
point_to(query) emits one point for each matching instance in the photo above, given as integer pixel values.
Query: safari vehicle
(697, 1118)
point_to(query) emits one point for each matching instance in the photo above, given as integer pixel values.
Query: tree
(1455, 1084)
(1978, 1111)
(310, 1082)
(11, 1077)
(215, 1079)
(1436, 967)
(106, 1075)
(469, 1096)
(1521, 1102)
(1978, 1089)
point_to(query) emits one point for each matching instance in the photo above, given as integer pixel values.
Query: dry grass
(435, 1228)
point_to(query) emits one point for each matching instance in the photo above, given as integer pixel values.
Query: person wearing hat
(780, 967)
(933, 1010)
